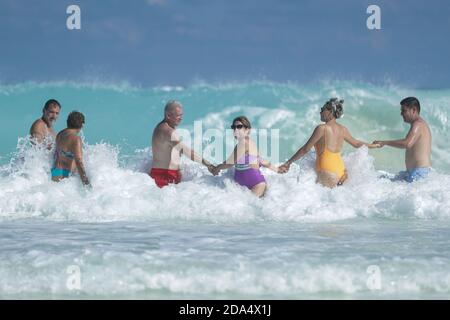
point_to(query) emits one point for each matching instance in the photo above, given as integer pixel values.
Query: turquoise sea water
(207, 237)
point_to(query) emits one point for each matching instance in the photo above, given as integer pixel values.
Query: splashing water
(208, 237)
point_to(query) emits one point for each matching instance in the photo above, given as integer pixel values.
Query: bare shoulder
(243, 144)
(250, 143)
(340, 126)
(343, 128)
(165, 134)
(424, 126)
(251, 146)
(419, 124)
(158, 127)
(170, 133)
(320, 127)
(162, 129)
(38, 125)
(69, 140)
(422, 122)
(74, 138)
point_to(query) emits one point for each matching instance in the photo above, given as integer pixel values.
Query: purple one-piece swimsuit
(245, 175)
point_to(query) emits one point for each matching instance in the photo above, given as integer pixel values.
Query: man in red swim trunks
(167, 148)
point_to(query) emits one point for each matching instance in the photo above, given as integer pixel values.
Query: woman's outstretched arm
(357, 143)
(267, 164)
(315, 137)
(232, 159)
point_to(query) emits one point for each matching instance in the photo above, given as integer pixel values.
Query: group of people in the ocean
(167, 148)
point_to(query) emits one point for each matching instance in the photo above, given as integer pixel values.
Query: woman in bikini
(69, 150)
(246, 160)
(328, 140)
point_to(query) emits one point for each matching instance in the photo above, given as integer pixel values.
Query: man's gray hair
(171, 105)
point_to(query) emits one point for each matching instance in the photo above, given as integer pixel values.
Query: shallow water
(226, 261)
(208, 238)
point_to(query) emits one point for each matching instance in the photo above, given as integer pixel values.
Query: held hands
(214, 170)
(376, 144)
(211, 168)
(284, 168)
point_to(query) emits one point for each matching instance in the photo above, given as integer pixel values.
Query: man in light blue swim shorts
(412, 175)
(417, 142)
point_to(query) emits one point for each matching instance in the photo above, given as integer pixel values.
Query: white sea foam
(207, 237)
(122, 190)
(192, 260)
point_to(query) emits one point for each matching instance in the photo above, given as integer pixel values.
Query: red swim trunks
(165, 176)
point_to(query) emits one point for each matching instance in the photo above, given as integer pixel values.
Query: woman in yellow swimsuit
(328, 140)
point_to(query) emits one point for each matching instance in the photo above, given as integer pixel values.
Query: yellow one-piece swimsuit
(329, 161)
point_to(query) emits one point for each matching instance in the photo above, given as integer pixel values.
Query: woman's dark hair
(244, 121)
(75, 120)
(336, 106)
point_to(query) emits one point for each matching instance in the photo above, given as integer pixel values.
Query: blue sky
(176, 42)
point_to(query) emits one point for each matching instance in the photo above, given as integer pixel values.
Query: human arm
(357, 143)
(343, 178)
(406, 143)
(78, 152)
(191, 154)
(38, 132)
(232, 159)
(315, 137)
(267, 164)
(188, 152)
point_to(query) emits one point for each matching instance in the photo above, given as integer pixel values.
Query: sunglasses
(239, 126)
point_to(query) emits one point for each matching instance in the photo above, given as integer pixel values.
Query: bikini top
(68, 154)
(243, 163)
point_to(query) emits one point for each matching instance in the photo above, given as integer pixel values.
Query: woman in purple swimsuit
(246, 160)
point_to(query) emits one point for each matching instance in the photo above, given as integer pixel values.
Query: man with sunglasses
(167, 148)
